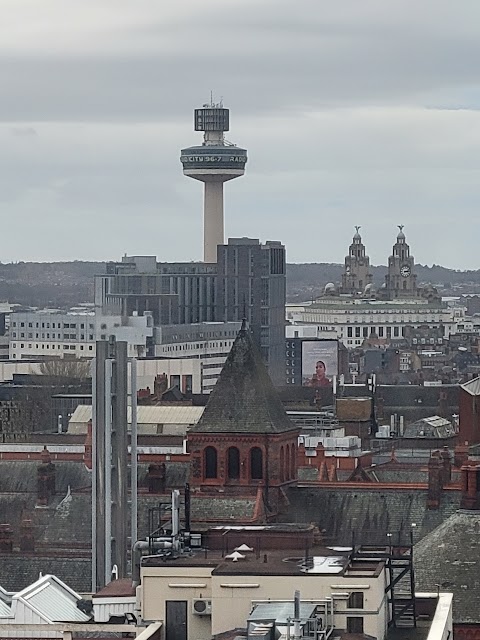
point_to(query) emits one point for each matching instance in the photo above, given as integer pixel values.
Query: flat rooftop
(334, 561)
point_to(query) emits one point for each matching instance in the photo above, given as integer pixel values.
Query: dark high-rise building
(248, 281)
(251, 284)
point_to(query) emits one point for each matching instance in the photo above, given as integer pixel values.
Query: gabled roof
(146, 414)
(472, 387)
(52, 600)
(244, 399)
(5, 611)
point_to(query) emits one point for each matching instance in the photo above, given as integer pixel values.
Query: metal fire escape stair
(400, 590)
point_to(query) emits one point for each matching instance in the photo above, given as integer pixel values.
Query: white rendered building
(191, 355)
(207, 342)
(52, 333)
(351, 320)
(355, 311)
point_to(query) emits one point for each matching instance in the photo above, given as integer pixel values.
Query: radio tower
(213, 163)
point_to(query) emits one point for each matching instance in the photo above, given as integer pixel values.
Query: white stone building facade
(353, 320)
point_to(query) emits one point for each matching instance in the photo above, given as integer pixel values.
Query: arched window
(210, 462)
(293, 463)
(256, 463)
(282, 465)
(287, 463)
(233, 463)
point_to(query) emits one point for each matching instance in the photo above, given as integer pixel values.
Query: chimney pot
(27, 537)
(6, 538)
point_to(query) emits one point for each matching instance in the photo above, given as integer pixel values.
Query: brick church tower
(244, 439)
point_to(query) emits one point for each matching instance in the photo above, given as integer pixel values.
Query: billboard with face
(319, 362)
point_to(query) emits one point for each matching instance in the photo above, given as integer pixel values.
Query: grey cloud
(348, 111)
(264, 58)
(23, 132)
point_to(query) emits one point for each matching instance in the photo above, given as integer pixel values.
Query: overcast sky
(352, 111)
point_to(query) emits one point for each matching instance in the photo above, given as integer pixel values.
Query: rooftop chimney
(461, 454)
(6, 538)
(470, 486)
(435, 480)
(45, 478)
(27, 537)
(446, 465)
(156, 477)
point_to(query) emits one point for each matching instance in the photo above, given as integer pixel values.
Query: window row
(58, 325)
(48, 346)
(287, 463)
(66, 336)
(210, 463)
(366, 331)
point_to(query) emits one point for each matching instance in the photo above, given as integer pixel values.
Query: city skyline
(354, 114)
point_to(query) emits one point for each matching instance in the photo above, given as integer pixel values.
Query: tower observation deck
(213, 162)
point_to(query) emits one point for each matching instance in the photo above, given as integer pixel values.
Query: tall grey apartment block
(251, 283)
(248, 280)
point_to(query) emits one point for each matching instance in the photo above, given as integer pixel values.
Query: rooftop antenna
(211, 98)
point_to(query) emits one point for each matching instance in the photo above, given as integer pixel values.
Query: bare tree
(66, 370)
(56, 376)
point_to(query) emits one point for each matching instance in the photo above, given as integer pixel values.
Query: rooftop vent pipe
(143, 545)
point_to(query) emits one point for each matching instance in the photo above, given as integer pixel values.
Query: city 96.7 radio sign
(205, 158)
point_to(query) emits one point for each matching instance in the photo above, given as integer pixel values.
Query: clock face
(405, 270)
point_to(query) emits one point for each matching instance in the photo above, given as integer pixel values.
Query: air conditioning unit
(202, 607)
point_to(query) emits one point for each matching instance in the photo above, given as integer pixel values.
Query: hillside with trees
(307, 281)
(66, 284)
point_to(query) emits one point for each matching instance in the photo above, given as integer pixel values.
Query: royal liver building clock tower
(401, 281)
(356, 274)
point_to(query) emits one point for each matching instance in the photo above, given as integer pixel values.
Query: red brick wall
(469, 412)
(274, 449)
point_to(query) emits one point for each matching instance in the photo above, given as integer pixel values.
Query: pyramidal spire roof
(244, 399)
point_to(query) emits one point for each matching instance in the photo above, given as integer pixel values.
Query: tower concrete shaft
(214, 162)
(213, 219)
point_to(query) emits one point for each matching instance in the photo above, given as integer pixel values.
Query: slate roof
(449, 556)
(244, 399)
(17, 572)
(176, 474)
(21, 476)
(239, 509)
(369, 513)
(392, 474)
